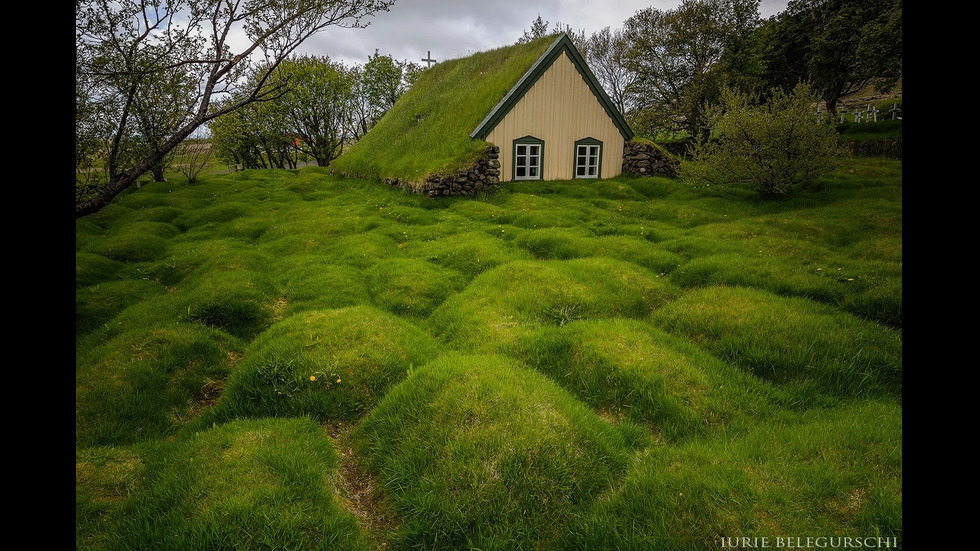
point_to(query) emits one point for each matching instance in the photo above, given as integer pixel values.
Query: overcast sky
(456, 28)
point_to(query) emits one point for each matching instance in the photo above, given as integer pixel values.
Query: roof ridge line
(562, 44)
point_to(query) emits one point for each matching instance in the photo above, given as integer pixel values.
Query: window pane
(521, 171)
(594, 150)
(532, 171)
(580, 171)
(591, 171)
(522, 150)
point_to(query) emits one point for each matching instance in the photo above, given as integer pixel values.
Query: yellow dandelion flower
(338, 380)
(312, 377)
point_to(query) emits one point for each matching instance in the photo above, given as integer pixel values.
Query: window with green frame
(588, 158)
(528, 158)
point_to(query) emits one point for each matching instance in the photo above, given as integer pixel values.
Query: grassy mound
(826, 473)
(241, 302)
(411, 287)
(244, 485)
(809, 347)
(99, 303)
(507, 302)
(872, 290)
(628, 368)
(627, 364)
(313, 284)
(328, 364)
(480, 452)
(148, 382)
(470, 253)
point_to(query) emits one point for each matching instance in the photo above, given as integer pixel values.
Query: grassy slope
(453, 97)
(289, 359)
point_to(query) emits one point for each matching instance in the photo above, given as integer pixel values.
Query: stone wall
(482, 176)
(648, 159)
(882, 147)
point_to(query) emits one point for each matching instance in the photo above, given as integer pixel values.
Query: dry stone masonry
(647, 159)
(639, 158)
(482, 176)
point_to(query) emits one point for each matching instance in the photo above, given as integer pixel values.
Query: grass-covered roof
(452, 97)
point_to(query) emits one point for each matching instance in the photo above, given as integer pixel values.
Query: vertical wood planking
(559, 109)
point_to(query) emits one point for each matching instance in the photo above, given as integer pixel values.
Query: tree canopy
(675, 56)
(839, 46)
(128, 51)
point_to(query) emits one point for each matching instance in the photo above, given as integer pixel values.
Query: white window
(528, 155)
(588, 153)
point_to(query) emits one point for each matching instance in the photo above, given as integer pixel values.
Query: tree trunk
(831, 110)
(157, 171)
(107, 194)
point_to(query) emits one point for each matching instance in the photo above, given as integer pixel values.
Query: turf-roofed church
(530, 111)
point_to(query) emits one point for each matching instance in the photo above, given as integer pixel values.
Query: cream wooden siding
(559, 109)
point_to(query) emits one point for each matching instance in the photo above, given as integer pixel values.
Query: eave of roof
(562, 44)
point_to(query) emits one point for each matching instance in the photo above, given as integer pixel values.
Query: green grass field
(292, 360)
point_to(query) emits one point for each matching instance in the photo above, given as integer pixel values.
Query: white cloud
(455, 28)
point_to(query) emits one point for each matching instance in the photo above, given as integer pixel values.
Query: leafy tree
(376, 87)
(316, 106)
(192, 156)
(840, 46)
(539, 29)
(772, 147)
(256, 135)
(129, 50)
(675, 56)
(605, 52)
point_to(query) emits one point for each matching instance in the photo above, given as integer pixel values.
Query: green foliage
(675, 56)
(839, 46)
(772, 147)
(377, 85)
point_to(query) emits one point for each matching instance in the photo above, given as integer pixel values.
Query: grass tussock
(635, 363)
(832, 472)
(481, 452)
(328, 364)
(503, 304)
(190, 494)
(628, 369)
(806, 346)
(147, 383)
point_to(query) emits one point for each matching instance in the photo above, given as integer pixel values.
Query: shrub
(772, 147)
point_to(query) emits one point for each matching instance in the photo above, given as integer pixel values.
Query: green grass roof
(453, 98)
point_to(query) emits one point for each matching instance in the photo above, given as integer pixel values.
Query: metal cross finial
(428, 59)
